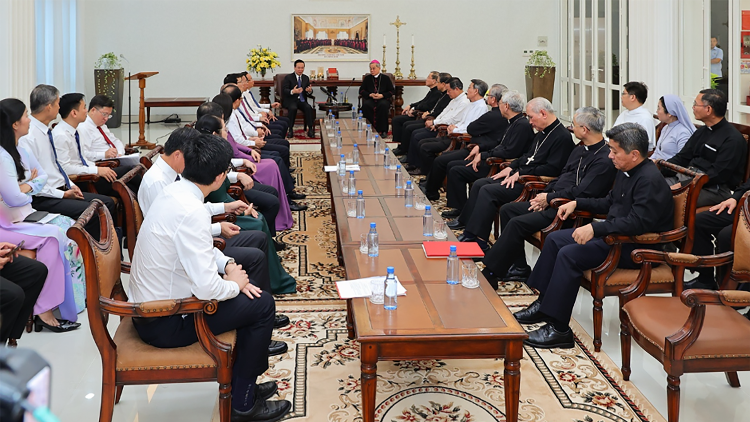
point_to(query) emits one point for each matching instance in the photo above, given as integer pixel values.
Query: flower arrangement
(540, 59)
(108, 61)
(260, 60)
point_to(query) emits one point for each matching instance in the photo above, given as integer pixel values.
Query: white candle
(412, 40)
(384, 40)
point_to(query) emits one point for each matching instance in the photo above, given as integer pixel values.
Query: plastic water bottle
(339, 140)
(378, 147)
(390, 301)
(352, 184)
(454, 267)
(342, 166)
(399, 181)
(360, 126)
(368, 134)
(427, 221)
(355, 155)
(386, 158)
(377, 290)
(372, 241)
(360, 205)
(354, 114)
(409, 195)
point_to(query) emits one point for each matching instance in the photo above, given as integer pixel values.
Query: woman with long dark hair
(21, 176)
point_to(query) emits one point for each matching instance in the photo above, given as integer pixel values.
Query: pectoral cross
(529, 160)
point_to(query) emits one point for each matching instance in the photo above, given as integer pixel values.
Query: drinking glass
(351, 207)
(439, 230)
(420, 202)
(469, 278)
(363, 243)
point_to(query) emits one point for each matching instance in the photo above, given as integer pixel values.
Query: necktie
(299, 85)
(177, 179)
(240, 125)
(59, 167)
(78, 142)
(249, 116)
(254, 100)
(105, 137)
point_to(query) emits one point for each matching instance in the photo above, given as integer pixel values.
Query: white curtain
(309, 34)
(17, 56)
(322, 35)
(57, 58)
(342, 35)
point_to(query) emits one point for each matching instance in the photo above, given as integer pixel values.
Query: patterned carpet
(320, 372)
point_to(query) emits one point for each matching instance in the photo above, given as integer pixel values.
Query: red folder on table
(443, 249)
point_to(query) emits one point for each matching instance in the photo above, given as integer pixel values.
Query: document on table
(127, 160)
(361, 287)
(349, 167)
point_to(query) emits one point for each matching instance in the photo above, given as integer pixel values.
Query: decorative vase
(110, 82)
(263, 73)
(538, 86)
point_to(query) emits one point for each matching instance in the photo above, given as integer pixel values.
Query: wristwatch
(229, 261)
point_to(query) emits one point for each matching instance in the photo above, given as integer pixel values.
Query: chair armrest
(125, 267)
(219, 243)
(558, 202)
(84, 178)
(157, 308)
(130, 150)
(534, 185)
(735, 297)
(502, 162)
(111, 163)
(237, 193)
(648, 238)
(227, 216)
(587, 215)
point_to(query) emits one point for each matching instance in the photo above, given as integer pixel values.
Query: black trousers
(517, 222)
(252, 318)
(407, 130)
(709, 225)
(459, 177)
(104, 187)
(412, 157)
(21, 281)
(397, 127)
(277, 128)
(557, 273)
(485, 199)
(280, 145)
(292, 106)
(429, 149)
(440, 168)
(266, 197)
(250, 249)
(376, 112)
(73, 208)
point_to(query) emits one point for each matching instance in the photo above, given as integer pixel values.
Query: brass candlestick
(412, 74)
(397, 74)
(382, 65)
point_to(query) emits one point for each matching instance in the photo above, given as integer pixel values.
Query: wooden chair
(278, 81)
(391, 109)
(148, 159)
(126, 359)
(608, 280)
(694, 330)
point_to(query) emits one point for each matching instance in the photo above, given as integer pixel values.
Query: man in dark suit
(21, 281)
(294, 91)
(376, 91)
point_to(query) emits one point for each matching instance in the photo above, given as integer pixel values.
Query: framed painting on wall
(330, 37)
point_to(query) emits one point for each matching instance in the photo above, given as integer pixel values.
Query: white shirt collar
(191, 188)
(63, 125)
(166, 169)
(39, 125)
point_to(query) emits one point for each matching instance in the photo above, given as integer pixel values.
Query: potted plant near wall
(540, 75)
(109, 79)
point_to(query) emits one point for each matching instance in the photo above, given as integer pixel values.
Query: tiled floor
(76, 370)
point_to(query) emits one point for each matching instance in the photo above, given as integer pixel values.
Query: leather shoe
(410, 167)
(263, 411)
(296, 196)
(531, 315)
(297, 207)
(266, 390)
(416, 171)
(402, 160)
(279, 245)
(450, 213)
(310, 134)
(697, 283)
(432, 196)
(277, 348)
(290, 134)
(467, 237)
(383, 135)
(64, 326)
(547, 337)
(398, 151)
(455, 224)
(517, 274)
(491, 278)
(280, 321)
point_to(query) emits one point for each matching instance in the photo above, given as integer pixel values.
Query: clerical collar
(514, 118)
(552, 125)
(375, 76)
(597, 146)
(637, 167)
(722, 121)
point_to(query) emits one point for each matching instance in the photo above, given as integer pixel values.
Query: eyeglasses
(105, 115)
(699, 105)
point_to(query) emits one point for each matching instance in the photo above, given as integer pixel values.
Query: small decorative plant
(260, 60)
(539, 59)
(108, 61)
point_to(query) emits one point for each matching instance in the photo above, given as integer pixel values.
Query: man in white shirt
(60, 195)
(430, 148)
(265, 110)
(717, 55)
(634, 95)
(451, 115)
(69, 150)
(97, 141)
(174, 258)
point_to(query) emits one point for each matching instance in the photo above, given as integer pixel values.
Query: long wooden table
(434, 320)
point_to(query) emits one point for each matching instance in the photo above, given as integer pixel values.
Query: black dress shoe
(531, 315)
(277, 348)
(280, 321)
(547, 337)
(310, 134)
(266, 390)
(64, 326)
(697, 283)
(292, 169)
(383, 135)
(410, 167)
(280, 246)
(290, 134)
(416, 171)
(467, 237)
(491, 278)
(263, 411)
(450, 213)
(297, 207)
(455, 224)
(432, 196)
(296, 196)
(517, 273)
(398, 151)
(402, 160)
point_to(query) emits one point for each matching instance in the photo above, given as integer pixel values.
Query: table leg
(265, 95)
(512, 378)
(398, 100)
(349, 320)
(369, 358)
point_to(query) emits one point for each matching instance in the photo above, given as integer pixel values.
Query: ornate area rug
(320, 374)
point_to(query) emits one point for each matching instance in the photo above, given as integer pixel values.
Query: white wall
(193, 44)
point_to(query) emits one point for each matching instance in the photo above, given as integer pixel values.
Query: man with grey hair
(511, 143)
(430, 148)
(485, 133)
(59, 195)
(639, 202)
(589, 173)
(546, 157)
(376, 90)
